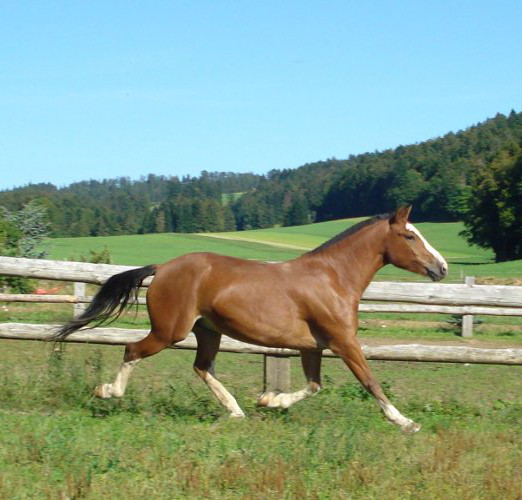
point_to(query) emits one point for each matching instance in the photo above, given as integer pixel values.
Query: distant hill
(435, 175)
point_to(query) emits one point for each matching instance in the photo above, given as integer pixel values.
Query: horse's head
(408, 249)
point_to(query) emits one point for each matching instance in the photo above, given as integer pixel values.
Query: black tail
(109, 302)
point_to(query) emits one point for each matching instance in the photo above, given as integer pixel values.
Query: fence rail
(400, 352)
(414, 293)
(363, 307)
(457, 299)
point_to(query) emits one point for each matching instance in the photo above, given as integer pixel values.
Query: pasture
(285, 243)
(168, 438)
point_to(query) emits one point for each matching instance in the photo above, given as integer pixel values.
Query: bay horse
(309, 303)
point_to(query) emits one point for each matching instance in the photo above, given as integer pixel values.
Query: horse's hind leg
(158, 339)
(153, 343)
(171, 311)
(208, 347)
(134, 352)
(311, 361)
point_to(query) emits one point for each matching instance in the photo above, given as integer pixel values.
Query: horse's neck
(357, 259)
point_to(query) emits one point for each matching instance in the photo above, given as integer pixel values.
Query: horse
(308, 304)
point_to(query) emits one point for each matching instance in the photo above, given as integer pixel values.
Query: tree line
(470, 175)
(149, 205)
(436, 176)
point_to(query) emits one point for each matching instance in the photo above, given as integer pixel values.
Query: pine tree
(298, 211)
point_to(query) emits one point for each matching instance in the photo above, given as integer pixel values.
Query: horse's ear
(401, 215)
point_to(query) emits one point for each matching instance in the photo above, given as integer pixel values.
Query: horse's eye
(410, 237)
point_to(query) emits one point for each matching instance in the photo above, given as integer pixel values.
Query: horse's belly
(259, 311)
(293, 335)
(281, 341)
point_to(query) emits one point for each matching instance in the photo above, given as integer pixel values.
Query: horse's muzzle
(438, 271)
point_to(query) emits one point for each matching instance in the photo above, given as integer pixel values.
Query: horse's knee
(374, 388)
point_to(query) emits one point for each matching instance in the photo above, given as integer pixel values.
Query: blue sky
(93, 90)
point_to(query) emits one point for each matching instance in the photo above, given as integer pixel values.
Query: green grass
(226, 198)
(285, 243)
(168, 438)
(156, 248)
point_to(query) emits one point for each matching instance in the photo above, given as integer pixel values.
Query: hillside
(284, 243)
(435, 175)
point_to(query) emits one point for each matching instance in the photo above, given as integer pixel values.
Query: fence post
(276, 373)
(79, 291)
(467, 319)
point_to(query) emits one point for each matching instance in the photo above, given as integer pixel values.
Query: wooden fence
(457, 299)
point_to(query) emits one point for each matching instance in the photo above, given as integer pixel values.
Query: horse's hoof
(237, 415)
(410, 428)
(103, 391)
(266, 399)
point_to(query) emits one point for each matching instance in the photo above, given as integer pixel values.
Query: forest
(438, 176)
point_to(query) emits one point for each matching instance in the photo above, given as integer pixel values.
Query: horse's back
(202, 275)
(250, 300)
(197, 263)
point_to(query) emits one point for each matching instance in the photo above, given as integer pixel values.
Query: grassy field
(285, 243)
(169, 439)
(153, 248)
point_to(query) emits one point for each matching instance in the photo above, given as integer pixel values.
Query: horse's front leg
(349, 349)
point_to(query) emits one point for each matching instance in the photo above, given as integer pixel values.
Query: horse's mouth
(434, 276)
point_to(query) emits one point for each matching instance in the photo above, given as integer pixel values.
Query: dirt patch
(375, 323)
(252, 240)
(488, 344)
(499, 281)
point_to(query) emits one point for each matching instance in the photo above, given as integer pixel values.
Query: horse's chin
(434, 276)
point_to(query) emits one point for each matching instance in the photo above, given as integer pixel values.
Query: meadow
(168, 437)
(282, 243)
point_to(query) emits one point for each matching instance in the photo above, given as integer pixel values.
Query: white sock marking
(122, 378)
(285, 400)
(224, 397)
(395, 416)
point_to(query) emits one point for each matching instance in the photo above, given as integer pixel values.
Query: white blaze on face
(429, 248)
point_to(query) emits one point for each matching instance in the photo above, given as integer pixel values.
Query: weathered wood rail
(413, 293)
(458, 299)
(363, 307)
(405, 352)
